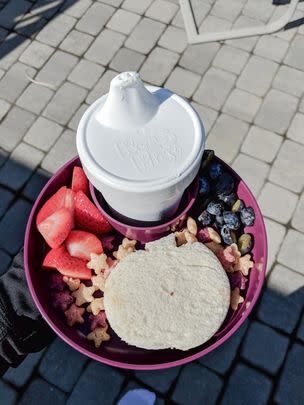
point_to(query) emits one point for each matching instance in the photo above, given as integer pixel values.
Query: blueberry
(204, 186)
(226, 235)
(205, 218)
(224, 185)
(232, 220)
(215, 207)
(247, 216)
(219, 220)
(238, 206)
(229, 199)
(215, 170)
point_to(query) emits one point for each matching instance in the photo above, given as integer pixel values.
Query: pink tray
(115, 352)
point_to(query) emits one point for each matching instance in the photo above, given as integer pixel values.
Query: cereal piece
(99, 335)
(72, 283)
(208, 234)
(191, 226)
(99, 281)
(190, 238)
(56, 282)
(236, 298)
(96, 306)
(122, 252)
(214, 247)
(244, 264)
(180, 238)
(98, 263)
(84, 294)
(98, 320)
(61, 299)
(129, 243)
(107, 242)
(229, 257)
(74, 315)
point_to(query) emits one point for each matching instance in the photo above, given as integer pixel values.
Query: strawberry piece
(56, 227)
(81, 244)
(54, 257)
(64, 197)
(80, 181)
(88, 217)
(67, 265)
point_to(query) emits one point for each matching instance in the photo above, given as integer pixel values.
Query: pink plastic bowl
(115, 352)
(146, 234)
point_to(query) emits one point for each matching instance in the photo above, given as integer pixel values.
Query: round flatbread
(167, 296)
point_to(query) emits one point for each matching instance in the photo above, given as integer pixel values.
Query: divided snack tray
(115, 352)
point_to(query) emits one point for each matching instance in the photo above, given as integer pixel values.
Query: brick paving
(250, 95)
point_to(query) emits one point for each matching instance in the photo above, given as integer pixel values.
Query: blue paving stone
(35, 185)
(197, 385)
(12, 226)
(221, 359)
(62, 365)
(160, 380)
(6, 197)
(14, 174)
(279, 311)
(246, 386)
(291, 388)
(301, 329)
(5, 260)
(98, 384)
(41, 392)
(8, 395)
(19, 376)
(264, 347)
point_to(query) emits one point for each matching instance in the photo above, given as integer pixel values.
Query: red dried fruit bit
(56, 227)
(88, 217)
(98, 320)
(237, 279)
(81, 244)
(63, 198)
(107, 242)
(56, 282)
(61, 299)
(80, 181)
(208, 234)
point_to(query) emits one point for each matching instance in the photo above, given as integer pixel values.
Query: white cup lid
(139, 138)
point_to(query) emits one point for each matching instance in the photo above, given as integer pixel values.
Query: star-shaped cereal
(190, 238)
(84, 294)
(180, 238)
(229, 257)
(208, 234)
(235, 298)
(99, 335)
(61, 299)
(122, 252)
(56, 282)
(99, 281)
(191, 226)
(129, 243)
(72, 283)
(74, 315)
(244, 264)
(96, 306)
(98, 320)
(98, 263)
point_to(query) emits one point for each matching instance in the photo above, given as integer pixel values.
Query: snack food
(167, 296)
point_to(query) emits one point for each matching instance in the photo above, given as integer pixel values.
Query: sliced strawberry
(54, 257)
(80, 181)
(56, 227)
(67, 265)
(81, 244)
(64, 197)
(88, 217)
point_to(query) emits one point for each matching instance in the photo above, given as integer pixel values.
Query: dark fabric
(22, 329)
